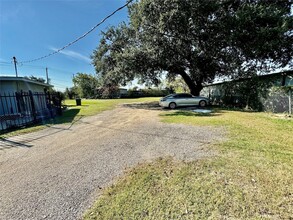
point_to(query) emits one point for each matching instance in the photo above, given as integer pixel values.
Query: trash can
(78, 101)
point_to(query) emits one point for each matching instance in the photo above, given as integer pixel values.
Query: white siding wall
(10, 87)
(7, 86)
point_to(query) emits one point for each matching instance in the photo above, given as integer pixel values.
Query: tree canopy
(85, 85)
(197, 40)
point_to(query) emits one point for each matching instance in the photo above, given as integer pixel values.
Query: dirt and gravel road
(58, 172)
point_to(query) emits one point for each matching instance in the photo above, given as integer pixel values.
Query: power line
(36, 67)
(62, 71)
(81, 37)
(5, 62)
(62, 81)
(44, 67)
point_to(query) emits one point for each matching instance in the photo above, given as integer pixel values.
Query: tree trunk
(194, 87)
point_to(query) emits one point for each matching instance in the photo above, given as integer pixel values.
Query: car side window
(188, 96)
(180, 96)
(185, 96)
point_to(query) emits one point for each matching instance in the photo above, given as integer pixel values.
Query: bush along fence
(20, 109)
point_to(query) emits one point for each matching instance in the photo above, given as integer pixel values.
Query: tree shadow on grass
(234, 109)
(70, 106)
(145, 105)
(69, 116)
(183, 111)
(191, 113)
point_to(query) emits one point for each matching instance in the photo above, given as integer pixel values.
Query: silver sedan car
(183, 99)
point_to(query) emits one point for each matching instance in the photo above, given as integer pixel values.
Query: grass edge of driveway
(251, 177)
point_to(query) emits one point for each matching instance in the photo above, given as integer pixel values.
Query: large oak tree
(198, 40)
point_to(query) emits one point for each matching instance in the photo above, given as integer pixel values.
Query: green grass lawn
(95, 106)
(251, 178)
(73, 113)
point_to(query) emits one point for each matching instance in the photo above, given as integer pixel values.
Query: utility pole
(47, 76)
(15, 66)
(15, 62)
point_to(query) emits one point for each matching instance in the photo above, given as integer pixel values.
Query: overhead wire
(64, 72)
(5, 62)
(58, 80)
(36, 67)
(81, 37)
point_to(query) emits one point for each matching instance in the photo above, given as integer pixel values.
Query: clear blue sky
(30, 29)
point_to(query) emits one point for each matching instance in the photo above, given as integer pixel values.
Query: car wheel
(172, 105)
(202, 103)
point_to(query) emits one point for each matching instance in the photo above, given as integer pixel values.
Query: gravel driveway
(58, 172)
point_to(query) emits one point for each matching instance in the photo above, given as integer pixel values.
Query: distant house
(122, 92)
(111, 92)
(22, 101)
(277, 98)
